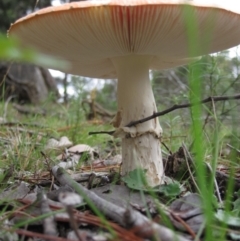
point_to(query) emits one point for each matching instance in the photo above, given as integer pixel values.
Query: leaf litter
(83, 197)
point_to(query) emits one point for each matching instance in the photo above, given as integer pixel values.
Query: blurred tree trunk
(27, 83)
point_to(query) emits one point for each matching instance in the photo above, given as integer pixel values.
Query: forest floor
(60, 183)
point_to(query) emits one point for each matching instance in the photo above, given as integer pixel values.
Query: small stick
(215, 183)
(184, 224)
(101, 132)
(234, 148)
(117, 213)
(175, 107)
(187, 157)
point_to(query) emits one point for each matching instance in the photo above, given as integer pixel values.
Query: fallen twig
(184, 224)
(49, 224)
(101, 132)
(175, 107)
(40, 235)
(126, 217)
(80, 217)
(218, 194)
(9, 124)
(187, 157)
(234, 148)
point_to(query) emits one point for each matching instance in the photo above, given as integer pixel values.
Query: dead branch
(175, 107)
(49, 224)
(101, 132)
(128, 218)
(10, 123)
(27, 233)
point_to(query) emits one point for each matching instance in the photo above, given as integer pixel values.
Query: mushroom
(124, 39)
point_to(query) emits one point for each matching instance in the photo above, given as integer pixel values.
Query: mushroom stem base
(143, 151)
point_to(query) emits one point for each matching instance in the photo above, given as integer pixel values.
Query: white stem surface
(141, 147)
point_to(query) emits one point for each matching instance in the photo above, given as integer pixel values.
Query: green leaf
(234, 236)
(238, 193)
(236, 207)
(227, 218)
(136, 179)
(170, 190)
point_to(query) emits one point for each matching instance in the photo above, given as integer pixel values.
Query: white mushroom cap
(89, 33)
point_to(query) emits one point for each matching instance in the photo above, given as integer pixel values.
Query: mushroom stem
(141, 143)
